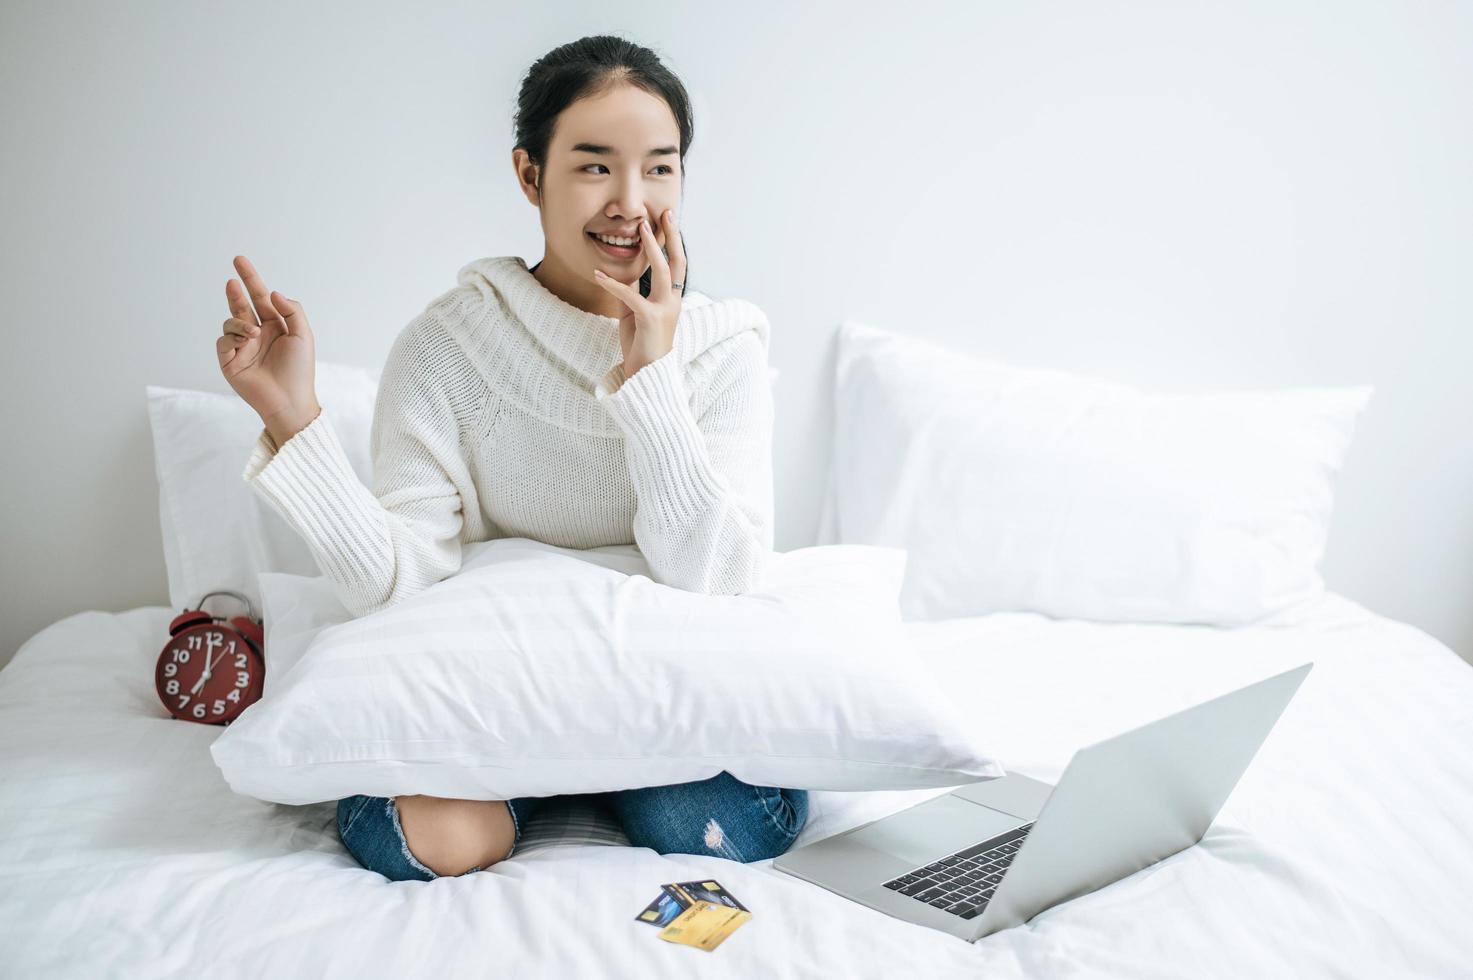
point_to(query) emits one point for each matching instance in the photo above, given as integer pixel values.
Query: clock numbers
(215, 648)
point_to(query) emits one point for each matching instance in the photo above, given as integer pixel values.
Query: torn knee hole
(714, 834)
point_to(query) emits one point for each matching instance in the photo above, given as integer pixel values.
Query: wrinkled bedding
(1345, 850)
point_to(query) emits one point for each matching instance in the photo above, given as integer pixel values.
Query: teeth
(617, 241)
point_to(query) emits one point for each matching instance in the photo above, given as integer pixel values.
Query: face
(605, 170)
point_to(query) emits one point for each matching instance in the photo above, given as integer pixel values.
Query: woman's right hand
(268, 354)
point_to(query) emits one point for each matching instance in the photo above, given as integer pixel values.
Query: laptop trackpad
(934, 829)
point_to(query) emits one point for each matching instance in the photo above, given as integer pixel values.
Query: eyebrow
(602, 150)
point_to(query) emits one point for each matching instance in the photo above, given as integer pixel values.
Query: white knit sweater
(503, 411)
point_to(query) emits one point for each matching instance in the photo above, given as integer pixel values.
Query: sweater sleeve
(380, 546)
(704, 513)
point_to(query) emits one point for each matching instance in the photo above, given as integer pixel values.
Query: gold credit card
(704, 925)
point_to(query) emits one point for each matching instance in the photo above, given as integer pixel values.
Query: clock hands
(209, 668)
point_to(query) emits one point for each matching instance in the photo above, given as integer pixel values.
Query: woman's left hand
(647, 330)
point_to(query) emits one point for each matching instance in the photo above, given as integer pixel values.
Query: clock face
(208, 674)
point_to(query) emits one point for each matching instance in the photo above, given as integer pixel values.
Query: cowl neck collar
(530, 343)
(586, 342)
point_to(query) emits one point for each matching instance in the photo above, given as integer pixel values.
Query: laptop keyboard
(963, 883)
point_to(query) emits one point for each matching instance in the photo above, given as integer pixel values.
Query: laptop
(993, 854)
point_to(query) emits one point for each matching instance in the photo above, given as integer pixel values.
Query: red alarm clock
(212, 669)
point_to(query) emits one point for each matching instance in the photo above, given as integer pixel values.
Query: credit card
(705, 925)
(706, 890)
(662, 911)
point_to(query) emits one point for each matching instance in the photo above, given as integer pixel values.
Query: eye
(665, 167)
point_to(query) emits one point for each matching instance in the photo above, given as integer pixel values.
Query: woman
(559, 403)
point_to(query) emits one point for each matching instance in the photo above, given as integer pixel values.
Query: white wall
(1233, 194)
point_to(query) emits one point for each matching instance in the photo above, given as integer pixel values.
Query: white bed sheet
(1344, 851)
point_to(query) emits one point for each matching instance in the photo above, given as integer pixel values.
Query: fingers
(259, 294)
(240, 305)
(660, 275)
(675, 245)
(293, 317)
(241, 330)
(241, 333)
(233, 345)
(630, 295)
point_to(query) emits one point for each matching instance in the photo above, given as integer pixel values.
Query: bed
(1345, 849)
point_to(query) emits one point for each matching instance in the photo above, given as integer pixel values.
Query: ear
(527, 175)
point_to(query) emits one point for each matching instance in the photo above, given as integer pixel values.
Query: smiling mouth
(617, 251)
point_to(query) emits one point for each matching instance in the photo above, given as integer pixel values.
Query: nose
(630, 202)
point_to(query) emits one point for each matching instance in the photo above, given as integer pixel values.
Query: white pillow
(537, 670)
(218, 532)
(1025, 489)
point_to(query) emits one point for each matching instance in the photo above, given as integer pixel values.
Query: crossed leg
(450, 837)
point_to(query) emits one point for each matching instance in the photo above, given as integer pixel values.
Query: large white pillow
(537, 670)
(218, 532)
(1026, 489)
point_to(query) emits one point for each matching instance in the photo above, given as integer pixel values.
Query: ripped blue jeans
(721, 816)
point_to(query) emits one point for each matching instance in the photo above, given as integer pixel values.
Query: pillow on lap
(537, 670)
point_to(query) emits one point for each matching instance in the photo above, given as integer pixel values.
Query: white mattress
(1345, 850)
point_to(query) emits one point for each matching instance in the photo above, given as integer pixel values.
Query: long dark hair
(588, 66)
